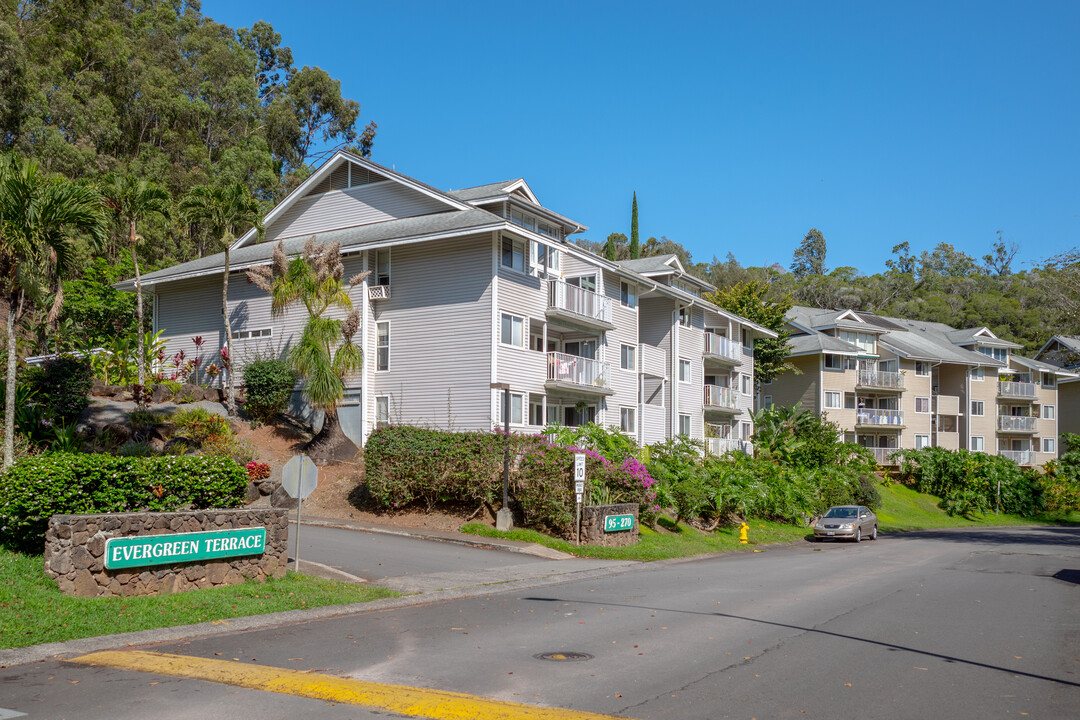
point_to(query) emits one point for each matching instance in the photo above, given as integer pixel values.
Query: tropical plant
(776, 432)
(268, 385)
(131, 201)
(325, 352)
(223, 212)
(39, 217)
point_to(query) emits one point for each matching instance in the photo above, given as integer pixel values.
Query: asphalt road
(951, 624)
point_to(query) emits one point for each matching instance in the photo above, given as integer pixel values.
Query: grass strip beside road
(397, 699)
(669, 542)
(34, 611)
(904, 509)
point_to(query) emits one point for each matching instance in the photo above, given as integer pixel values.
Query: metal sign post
(299, 478)
(579, 489)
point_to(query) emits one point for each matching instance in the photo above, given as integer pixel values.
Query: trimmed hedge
(268, 385)
(74, 483)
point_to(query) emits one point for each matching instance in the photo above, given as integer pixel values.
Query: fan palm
(132, 200)
(325, 353)
(39, 215)
(224, 212)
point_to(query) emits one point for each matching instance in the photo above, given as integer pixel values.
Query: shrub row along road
(959, 624)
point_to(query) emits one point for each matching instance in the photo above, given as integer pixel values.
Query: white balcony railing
(1017, 390)
(722, 446)
(723, 397)
(875, 378)
(1017, 423)
(585, 303)
(879, 417)
(578, 370)
(720, 346)
(881, 455)
(1020, 457)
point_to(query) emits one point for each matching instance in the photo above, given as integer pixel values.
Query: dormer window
(866, 342)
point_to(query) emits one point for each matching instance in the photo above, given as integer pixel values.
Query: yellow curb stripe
(401, 699)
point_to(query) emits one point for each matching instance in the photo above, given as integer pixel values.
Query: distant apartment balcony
(578, 307)
(721, 350)
(947, 404)
(723, 399)
(719, 447)
(1017, 424)
(880, 418)
(875, 380)
(881, 455)
(578, 374)
(1017, 390)
(1020, 457)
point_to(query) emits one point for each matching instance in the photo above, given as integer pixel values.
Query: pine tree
(635, 241)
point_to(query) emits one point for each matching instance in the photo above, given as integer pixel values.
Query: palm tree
(39, 215)
(325, 353)
(133, 200)
(223, 212)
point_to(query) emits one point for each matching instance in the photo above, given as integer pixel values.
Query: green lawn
(34, 611)
(904, 509)
(669, 543)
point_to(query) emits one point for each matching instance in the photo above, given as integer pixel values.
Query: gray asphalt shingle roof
(818, 343)
(645, 265)
(482, 191)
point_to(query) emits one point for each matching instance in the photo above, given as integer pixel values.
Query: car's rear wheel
(873, 533)
(858, 534)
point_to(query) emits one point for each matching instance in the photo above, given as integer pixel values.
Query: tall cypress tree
(635, 242)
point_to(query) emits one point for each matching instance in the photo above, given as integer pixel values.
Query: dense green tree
(809, 257)
(635, 240)
(751, 300)
(132, 200)
(225, 213)
(615, 247)
(39, 215)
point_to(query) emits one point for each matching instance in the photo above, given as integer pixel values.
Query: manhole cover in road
(564, 656)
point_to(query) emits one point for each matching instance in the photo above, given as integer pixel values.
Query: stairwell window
(922, 404)
(684, 425)
(628, 358)
(628, 420)
(684, 370)
(977, 444)
(978, 373)
(922, 441)
(513, 330)
(382, 267)
(922, 368)
(513, 254)
(627, 295)
(517, 401)
(832, 400)
(1049, 412)
(382, 411)
(978, 408)
(382, 347)
(1049, 445)
(684, 316)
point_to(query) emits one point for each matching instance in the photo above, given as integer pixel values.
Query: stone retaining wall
(592, 525)
(75, 552)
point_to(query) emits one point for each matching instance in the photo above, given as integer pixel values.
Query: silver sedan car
(851, 522)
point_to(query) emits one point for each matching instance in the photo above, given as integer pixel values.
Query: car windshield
(841, 512)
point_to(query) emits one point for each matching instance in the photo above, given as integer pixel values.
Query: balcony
(721, 350)
(1017, 390)
(880, 418)
(881, 455)
(719, 447)
(578, 307)
(875, 380)
(947, 404)
(1017, 423)
(722, 399)
(1020, 457)
(578, 375)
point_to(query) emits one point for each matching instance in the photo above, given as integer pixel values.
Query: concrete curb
(149, 638)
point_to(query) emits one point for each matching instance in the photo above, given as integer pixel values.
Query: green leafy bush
(65, 385)
(268, 385)
(44, 485)
(955, 475)
(200, 425)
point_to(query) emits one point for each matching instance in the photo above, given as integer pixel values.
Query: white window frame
(981, 404)
(515, 244)
(631, 351)
(839, 367)
(926, 405)
(747, 384)
(978, 443)
(685, 318)
(254, 334)
(1049, 380)
(978, 373)
(689, 367)
(379, 277)
(382, 410)
(922, 441)
(925, 366)
(684, 418)
(628, 419)
(1049, 445)
(516, 321)
(627, 295)
(552, 257)
(766, 402)
(517, 407)
(854, 401)
(380, 346)
(1049, 412)
(839, 400)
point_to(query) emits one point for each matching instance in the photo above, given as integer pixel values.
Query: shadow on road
(888, 646)
(1041, 535)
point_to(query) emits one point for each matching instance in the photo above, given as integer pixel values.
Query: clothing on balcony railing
(879, 417)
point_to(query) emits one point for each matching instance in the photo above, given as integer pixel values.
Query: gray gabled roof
(405, 229)
(971, 336)
(483, 192)
(663, 265)
(1069, 342)
(1042, 366)
(815, 343)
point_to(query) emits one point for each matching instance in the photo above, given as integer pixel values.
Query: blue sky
(740, 125)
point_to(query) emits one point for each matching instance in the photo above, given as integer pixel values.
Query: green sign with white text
(146, 550)
(615, 523)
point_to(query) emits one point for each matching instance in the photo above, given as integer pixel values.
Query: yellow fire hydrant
(743, 530)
